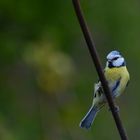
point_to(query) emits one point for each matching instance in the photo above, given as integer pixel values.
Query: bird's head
(115, 59)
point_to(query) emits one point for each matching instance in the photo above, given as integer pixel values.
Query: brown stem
(97, 63)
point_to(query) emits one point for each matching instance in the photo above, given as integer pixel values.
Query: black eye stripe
(115, 58)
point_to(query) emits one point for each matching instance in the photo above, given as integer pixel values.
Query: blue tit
(117, 77)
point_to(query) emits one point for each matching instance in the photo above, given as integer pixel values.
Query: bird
(117, 77)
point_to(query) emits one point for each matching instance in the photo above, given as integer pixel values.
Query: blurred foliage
(47, 75)
(55, 69)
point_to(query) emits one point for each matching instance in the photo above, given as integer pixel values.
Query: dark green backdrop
(46, 73)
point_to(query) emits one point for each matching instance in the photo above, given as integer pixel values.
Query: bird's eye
(115, 58)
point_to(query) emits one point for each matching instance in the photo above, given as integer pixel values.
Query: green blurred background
(47, 76)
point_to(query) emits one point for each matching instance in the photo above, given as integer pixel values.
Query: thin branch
(97, 63)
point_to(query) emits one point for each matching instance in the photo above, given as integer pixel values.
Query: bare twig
(97, 63)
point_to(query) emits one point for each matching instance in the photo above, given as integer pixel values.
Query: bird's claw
(116, 109)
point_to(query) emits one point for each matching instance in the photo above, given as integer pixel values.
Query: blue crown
(115, 52)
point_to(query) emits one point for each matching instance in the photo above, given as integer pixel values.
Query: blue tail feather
(89, 118)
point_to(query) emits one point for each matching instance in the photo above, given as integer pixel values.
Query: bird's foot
(116, 108)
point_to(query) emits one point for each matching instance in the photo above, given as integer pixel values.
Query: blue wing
(117, 83)
(115, 86)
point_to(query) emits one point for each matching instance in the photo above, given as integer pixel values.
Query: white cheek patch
(118, 62)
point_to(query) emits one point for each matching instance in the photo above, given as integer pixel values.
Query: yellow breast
(113, 74)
